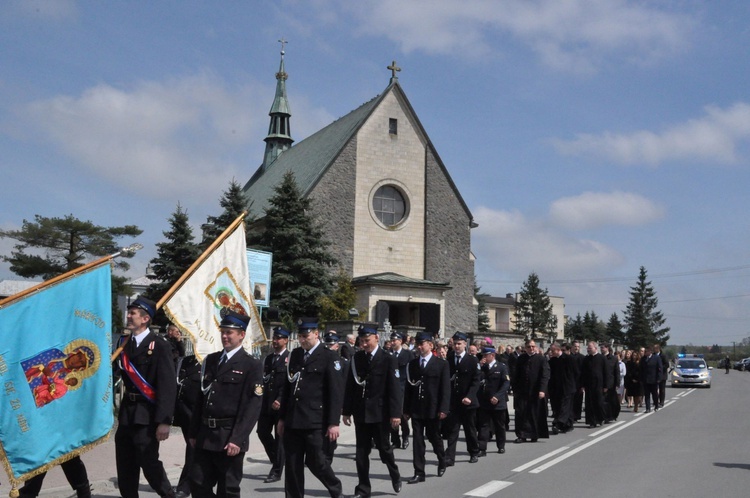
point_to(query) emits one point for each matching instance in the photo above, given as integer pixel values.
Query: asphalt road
(695, 446)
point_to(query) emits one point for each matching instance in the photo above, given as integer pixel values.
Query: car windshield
(691, 364)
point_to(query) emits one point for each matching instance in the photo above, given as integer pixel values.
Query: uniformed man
(227, 410)
(373, 396)
(464, 374)
(427, 403)
(310, 411)
(145, 417)
(403, 356)
(188, 389)
(331, 342)
(493, 401)
(274, 387)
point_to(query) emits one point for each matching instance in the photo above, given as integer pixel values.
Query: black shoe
(482, 454)
(520, 440)
(441, 471)
(181, 494)
(533, 440)
(273, 477)
(405, 443)
(359, 495)
(501, 450)
(397, 485)
(555, 431)
(474, 459)
(450, 463)
(648, 410)
(416, 479)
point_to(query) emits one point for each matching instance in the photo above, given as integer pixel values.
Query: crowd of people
(397, 391)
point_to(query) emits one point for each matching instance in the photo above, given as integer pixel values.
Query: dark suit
(188, 390)
(225, 413)
(663, 379)
(427, 395)
(494, 384)
(404, 357)
(274, 387)
(593, 379)
(373, 396)
(136, 446)
(532, 377)
(312, 403)
(347, 351)
(464, 384)
(578, 396)
(612, 404)
(651, 371)
(564, 378)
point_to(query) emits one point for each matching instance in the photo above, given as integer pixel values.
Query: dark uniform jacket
(229, 408)
(274, 381)
(569, 374)
(188, 389)
(613, 380)
(379, 398)
(404, 357)
(494, 384)
(464, 380)
(154, 361)
(315, 398)
(428, 391)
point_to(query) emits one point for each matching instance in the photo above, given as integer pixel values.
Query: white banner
(221, 282)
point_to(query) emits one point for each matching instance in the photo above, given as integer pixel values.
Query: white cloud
(566, 34)
(714, 137)
(179, 138)
(596, 209)
(510, 243)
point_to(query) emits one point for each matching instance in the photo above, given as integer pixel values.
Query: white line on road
(542, 458)
(488, 489)
(606, 428)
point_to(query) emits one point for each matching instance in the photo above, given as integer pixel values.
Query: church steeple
(279, 136)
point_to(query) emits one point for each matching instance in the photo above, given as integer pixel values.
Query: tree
(533, 316)
(594, 329)
(343, 299)
(644, 323)
(301, 261)
(174, 256)
(67, 243)
(483, 319)
(574, 329)
(614, 329)
(234, 203)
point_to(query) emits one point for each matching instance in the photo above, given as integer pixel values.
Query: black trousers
(136, 449)
(216, 468)
(365, 434)
(403, 428)
(489, 421)
(430, 426)
(272, 442)
(451, 428)
(662, 392)
(184, 483)
(75, 473)
(651, 392)
(577, 405)
(305, 447)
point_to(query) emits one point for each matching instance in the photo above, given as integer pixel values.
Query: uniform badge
(337, 365)
(398, 374)
(258, 390)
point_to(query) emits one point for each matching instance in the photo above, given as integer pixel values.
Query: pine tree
(644, 323)
(614, 329)
(301, 261)
(337, 305)
(174, 256)
(574, 329)
(483, 319)
(234, 203)
(533, 316)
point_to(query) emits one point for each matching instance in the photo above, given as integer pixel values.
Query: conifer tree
(483, 319)
(574, 329)
(174, 256)
(533, 316)
(301, 261)
(614, 329)
(644, 323)
(234, 203)
(337, 305)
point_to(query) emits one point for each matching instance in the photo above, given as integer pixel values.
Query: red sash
(136, 378)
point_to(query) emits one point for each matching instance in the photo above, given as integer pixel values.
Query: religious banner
(217, 282)
(56, 396)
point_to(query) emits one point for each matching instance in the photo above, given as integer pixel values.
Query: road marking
(543, 457)
(488, 489)
(606, 428)
(586, 445)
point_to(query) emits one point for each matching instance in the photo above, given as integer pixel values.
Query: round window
(389, 205)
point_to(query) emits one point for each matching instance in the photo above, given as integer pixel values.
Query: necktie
(424, 362)
(223, 358)
(458, 360)
(369, 357)
(307, 355)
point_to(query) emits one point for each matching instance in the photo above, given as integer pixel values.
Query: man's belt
(213, 423)
(135, 396)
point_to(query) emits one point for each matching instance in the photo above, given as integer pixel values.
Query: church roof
(310, 158)
(394, 279)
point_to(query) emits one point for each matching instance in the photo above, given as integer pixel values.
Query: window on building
(389, 205)
(393, 126)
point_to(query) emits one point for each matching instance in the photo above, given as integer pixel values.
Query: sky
(588, 137)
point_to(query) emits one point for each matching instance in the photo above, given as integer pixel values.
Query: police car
(690, 369)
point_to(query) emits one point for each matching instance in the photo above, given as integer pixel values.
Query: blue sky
(588, 138)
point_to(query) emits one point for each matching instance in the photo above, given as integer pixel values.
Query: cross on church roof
(394, 69)
(283, 42)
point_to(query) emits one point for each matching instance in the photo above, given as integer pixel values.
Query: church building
(393, 216)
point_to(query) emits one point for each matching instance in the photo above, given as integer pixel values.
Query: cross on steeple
(283, 42)
(394, 69)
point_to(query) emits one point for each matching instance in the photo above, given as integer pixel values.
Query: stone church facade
(393, 216)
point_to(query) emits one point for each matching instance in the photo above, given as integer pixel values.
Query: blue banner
(55, 373)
